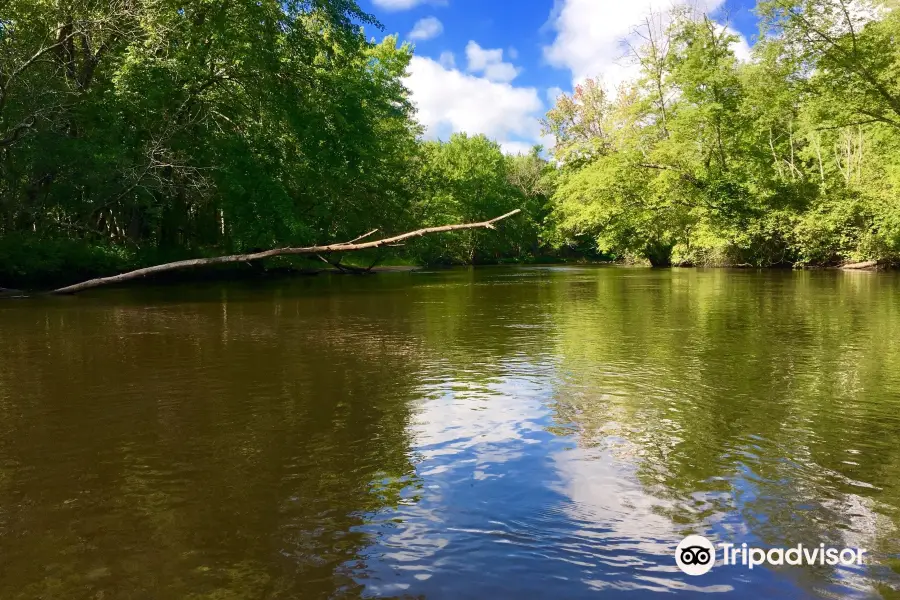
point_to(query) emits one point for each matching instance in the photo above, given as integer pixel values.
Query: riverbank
(248, 272)
(28, 263)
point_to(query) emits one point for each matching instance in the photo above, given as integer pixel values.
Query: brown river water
(522, 432)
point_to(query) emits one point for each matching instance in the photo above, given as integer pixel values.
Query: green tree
(158, 128)
(788, 159)
(468, 178)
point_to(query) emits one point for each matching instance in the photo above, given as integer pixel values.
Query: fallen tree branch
(869, 264)
(362, 237)
(342, 268)
(237, 258)
(336, 265)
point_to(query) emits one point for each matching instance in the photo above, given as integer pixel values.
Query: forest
(135, 132)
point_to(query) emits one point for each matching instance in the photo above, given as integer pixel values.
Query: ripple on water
(498, 433)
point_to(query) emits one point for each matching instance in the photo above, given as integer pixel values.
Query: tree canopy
(790, 158)
(132, 132)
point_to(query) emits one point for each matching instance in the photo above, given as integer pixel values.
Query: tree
(658, 169)
(847, 91)
(168, 130)
(788, 159)
(466, 179)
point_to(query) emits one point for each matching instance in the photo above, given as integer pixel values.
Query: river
(526, 432)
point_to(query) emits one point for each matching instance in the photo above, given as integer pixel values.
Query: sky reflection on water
(498, 433)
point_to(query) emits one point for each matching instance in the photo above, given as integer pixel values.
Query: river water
(497, 433)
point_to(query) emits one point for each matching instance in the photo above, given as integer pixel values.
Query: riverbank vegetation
(138, 133)
(791, 158)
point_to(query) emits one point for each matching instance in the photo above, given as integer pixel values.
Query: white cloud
(451, 101)
(396, 5)
(514, 147)
(591, 35)
(447, 60)
(426, 29)
(490, 63)
(741, 47)
(553, 94)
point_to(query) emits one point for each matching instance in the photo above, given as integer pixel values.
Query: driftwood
(869, 264)
(350, 246)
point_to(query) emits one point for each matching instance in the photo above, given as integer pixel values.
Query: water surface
(494, 433)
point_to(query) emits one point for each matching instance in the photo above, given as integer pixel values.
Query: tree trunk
(869, 264)
(659, 255)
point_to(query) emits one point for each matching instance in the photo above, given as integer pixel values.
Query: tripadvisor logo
(696, 555)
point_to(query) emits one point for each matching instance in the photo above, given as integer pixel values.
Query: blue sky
(494, 66)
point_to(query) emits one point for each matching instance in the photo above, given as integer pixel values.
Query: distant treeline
(137, 132)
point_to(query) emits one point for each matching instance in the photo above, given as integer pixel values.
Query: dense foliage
(133, 132)
(163, 128)
(791, 158)
(469, 179)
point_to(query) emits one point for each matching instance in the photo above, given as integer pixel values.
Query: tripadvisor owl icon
(695, 555)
